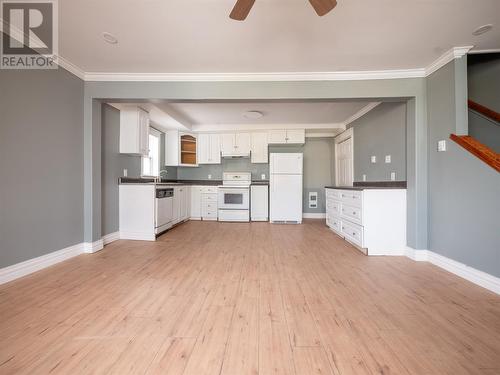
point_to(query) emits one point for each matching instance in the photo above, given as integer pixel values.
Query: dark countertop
(372, 185)
(260, 182)
(151, 181)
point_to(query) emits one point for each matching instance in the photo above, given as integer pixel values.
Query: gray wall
(380, 132)
(113, 164)
(484, 88)
(41, 163)
(463, 191)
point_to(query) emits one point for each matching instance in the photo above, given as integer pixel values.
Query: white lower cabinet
(259, 202)
(372, 219)
(204, 203)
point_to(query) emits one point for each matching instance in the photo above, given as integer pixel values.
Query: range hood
(235, 155)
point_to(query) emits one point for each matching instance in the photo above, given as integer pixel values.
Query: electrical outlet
(387, 159)
(393, 176)
(262, 176)
(373, 159)
(442, 145)
(125, 172)
(209, 176)
(364, 177)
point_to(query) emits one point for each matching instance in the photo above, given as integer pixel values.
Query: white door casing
(344, 158)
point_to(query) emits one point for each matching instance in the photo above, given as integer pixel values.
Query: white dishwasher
(163, 208)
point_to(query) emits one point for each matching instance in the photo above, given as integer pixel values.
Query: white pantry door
(344, 162)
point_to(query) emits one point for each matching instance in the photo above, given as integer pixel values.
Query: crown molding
(70, 67)
(204, 128)
(454, 53)
(261, 77)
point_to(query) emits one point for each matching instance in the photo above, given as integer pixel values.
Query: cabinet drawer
(352, 232)
(209, 189)
(351, 197)
(333, 207)
(209, 213)
(210, 206)
(352, 213)
(209, 198)
(334, 223)
(332, 193)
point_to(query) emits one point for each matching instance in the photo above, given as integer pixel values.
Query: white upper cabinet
(181, 149)
(235, 143)
(259, 146)
(290, 136)
(134, 131)
(209, 147)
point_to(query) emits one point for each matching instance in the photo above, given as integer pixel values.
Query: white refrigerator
(286, 170)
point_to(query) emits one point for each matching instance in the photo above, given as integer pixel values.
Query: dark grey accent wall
(485, 130)
(380, 132)
(463, 191)
(484, 88)
(41, 163)
(113, 164)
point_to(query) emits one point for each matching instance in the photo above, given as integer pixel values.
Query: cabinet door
(195, 202)
(243, 143)
(227, 143)
(259, 199)
(296, 136)
(214, 154)
(177, 204)
(277, 136)
(143, 117)
(259, 148)
(187, 202)
(204, 149)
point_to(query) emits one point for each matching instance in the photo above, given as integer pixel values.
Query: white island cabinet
(374, 220)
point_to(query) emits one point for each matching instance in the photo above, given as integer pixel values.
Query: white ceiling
(197, 36)
(274, 112)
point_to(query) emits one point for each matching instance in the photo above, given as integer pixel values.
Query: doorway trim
(345, 135)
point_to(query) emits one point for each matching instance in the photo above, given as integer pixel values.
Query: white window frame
(155, 133)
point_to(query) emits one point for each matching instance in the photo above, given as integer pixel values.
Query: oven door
(234, 198)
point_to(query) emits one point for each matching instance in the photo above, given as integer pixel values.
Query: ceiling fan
(243, 7)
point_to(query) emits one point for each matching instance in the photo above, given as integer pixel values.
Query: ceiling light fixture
(482, 29)
(253, 115)
(109, 38)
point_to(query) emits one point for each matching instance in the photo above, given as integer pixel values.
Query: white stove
(234, 197)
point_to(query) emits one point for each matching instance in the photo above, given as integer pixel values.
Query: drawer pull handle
(353, 233)
(354, 213)
(343, 228)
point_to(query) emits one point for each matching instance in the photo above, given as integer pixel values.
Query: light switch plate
(393, 176)
(262, 176)
(387, 159)
(125, 172)
(373, 159)
(209, 176)
(442, 145)
(364, 177)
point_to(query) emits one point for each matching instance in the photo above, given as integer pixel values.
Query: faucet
(159, 175)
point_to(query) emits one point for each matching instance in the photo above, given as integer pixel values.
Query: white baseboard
(93, 247)
(311, 215)
(112, 237)
(473, 275)
(137, 236)
(32, 265)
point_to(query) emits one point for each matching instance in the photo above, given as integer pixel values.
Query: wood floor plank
(246, 298)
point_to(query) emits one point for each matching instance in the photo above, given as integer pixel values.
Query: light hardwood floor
(235, 299)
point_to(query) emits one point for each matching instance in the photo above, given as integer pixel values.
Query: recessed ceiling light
(482, 29)
(253, 115)
(109, 38)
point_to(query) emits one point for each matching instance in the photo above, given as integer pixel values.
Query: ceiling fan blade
(322, 7)
(241, 9)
